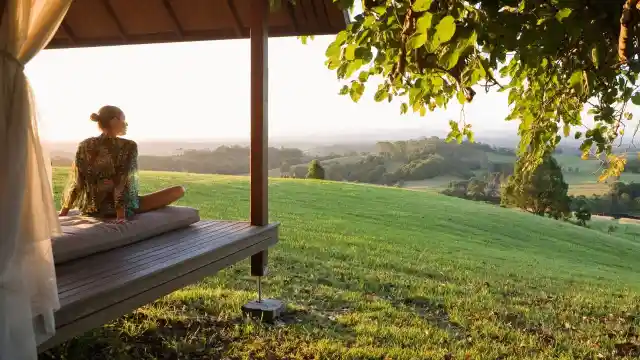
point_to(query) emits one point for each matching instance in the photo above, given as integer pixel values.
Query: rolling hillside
(383, 273)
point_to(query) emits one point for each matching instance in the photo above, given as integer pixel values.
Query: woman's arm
(76, 181)
(125, 180)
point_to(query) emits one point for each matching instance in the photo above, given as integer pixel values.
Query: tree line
(393, 163)
(225, 160)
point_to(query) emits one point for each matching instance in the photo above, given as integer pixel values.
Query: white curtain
(28, 220)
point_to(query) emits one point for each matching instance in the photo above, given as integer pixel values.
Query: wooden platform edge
(104, 315)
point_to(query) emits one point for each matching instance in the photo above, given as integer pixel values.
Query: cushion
(83, 236)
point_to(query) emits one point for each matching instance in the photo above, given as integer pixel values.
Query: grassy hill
(384, 273)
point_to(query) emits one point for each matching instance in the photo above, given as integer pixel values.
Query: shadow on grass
(198, 336)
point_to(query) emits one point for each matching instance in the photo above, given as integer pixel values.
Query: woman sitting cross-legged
(104, 177)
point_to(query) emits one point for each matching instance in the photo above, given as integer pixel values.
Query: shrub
(315, 171)
(583, 215)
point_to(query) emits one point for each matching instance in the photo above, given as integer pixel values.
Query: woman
(104, 176)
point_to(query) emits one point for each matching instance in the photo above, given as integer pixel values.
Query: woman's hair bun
(94, 117)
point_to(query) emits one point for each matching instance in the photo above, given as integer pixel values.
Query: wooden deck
(102, 287)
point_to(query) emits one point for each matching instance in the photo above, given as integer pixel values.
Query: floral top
(104, 177)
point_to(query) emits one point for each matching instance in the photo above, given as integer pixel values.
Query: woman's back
(104, 177)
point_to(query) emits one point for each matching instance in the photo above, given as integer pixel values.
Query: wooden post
(259, 263)
(259, 112)
(259, 125)
(265, 309)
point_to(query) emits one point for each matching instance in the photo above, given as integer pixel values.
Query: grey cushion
(83, 236)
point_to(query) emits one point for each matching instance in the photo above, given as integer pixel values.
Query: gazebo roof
(122, 22)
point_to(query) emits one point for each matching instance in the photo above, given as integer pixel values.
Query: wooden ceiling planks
(91, 23)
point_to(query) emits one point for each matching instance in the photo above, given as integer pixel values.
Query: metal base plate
(268, 310)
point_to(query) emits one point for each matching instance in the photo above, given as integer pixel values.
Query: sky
(200, 91)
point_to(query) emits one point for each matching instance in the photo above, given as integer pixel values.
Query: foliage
(414, 160)
(476, 188)
(543, 193)
(393, 274)
(485, 189)
(555, 57)
(582, 215)
(432, 166)
(621, 200)
(315, 171)
(227, 160)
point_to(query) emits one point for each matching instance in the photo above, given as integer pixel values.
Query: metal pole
(259, 288)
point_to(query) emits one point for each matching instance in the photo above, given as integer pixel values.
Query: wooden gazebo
(104, 286)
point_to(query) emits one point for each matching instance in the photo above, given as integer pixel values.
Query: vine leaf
(424, 22)
(576, 82)
(421, 5)
(563, 14)
(444, 30)
(356, 91)
(417, 40)
(350, 52)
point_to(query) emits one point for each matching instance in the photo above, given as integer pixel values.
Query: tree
(476, 188)
(315, 170)
(285, 168)
(543, 193)
(583, 215)
(552, 57)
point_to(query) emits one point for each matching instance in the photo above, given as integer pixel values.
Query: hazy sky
(201, 90)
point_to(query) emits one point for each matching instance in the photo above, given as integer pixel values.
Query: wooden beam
(259, 263)
(308, 10)
(174, 19)
(324, 14)
(259, 111)
(114, 17)
(168, 37)
(315, 16)
(300, 3)
(237, 21)
(292, 15)
(3, 7)
(69, 31)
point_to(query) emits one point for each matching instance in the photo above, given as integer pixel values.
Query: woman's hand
(64, 212)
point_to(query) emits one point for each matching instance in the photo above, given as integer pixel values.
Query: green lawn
(373, 273)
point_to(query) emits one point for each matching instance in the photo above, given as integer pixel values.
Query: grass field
(383, 273)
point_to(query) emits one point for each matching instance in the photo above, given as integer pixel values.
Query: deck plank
(121, 259)
(124, 272)
(79, 267)
(105, 286)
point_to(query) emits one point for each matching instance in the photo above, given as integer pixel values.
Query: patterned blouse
(104, 177)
